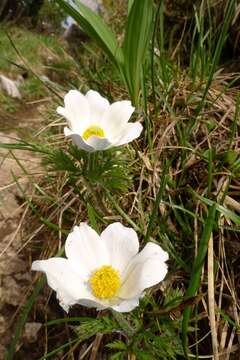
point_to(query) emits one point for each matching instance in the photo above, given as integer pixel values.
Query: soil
(15, 276)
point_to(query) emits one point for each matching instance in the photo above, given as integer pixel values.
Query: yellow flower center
(93, 130)
(105, 282)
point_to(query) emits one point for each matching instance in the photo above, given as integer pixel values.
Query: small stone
(10, 87)
(13, 292)
(12, 264)
(31, 331)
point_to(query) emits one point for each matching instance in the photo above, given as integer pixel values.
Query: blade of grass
(147, 119)
(181, 221)
(156, 21)
(31, 205)
(24, 145)
(235, 122)
(130, 3)
(196, 273)
(66, 320)
(210, 169)
(92, 218)
(29, 68)
(169, 247)
(157, 201)
(182, 209)
(55, 351)
(10, 354)
(121, 212)
(226, 212)
(136, 42)
(23, 318)
(221, 41)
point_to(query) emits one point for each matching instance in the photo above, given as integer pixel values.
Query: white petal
(122, 244)
(117, 116)
(143, 276)
(68, 132)
(92, 303)
(76, 111)
(85, 250)
(126, 305)
(98, 143)
(144, 270)
(61, 111)
(131, 131)
(97, 105)
(77, 102)
(62, 279)
(77, 140)
(120, 305)
(151, 249)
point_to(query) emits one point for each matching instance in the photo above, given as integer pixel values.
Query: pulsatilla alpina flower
(94, 124)
(105, 271)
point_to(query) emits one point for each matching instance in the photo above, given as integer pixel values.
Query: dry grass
(203, 167)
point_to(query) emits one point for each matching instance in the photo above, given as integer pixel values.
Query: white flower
(94, 124)
(104, 271)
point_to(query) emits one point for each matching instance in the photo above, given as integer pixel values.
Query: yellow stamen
(93, 130)
(105, 282)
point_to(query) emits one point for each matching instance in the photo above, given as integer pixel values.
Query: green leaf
(136, 42)
(130, 3)
(196, 273)
(226, 212)
(60, 348)
(228, 15)
(92, 218)
(143, 355)
(117, 345)
(95, 27)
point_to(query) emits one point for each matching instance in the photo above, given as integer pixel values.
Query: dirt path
(15, 276)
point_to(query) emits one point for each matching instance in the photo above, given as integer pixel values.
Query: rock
(73, 33)
(13, 292)
(31, 331)
(12, 264)
(10, 87)
(8, 203)
(94, 5)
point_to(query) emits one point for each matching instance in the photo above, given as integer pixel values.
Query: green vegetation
(27, 66)
(29, 44)
(177, 185)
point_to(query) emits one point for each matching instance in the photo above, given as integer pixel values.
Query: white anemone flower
(104, 271)
(94, 124)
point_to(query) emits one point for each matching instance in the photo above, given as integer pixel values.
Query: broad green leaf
(136, 42)
(130, 2)
(95, 27)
